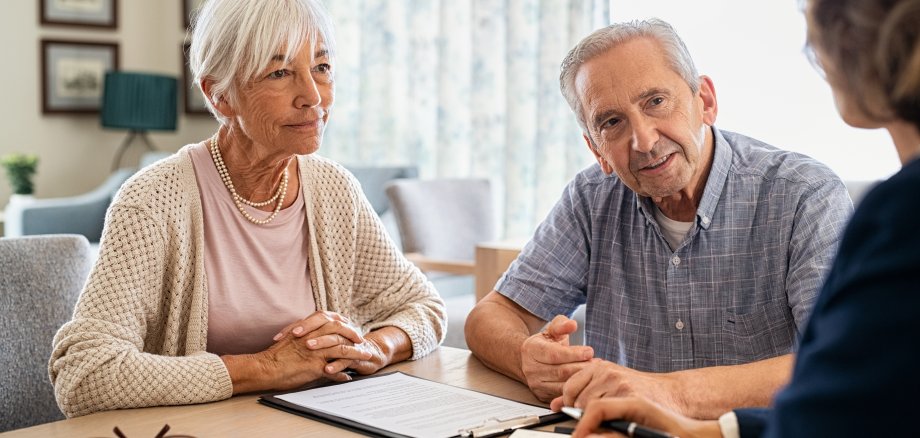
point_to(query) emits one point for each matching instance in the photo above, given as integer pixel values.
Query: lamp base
(127, 142)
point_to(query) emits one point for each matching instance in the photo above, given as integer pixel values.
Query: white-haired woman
(244, 262)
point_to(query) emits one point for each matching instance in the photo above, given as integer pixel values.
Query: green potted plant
(19, 169)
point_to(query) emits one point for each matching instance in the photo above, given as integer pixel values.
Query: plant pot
(12, 214)
(15, 197)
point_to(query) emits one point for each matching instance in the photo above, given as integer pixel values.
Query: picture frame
(73, 74)
(189, 9)
(87, 13)
(192, 99)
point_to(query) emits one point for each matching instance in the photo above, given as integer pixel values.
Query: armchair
(42, 278)
(440, 223)
(373, 180)
(82, 214)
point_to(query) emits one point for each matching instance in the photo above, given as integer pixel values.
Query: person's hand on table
(373, 344)
(642, 412)
(330, 332)
(547, 359)
(601, 378)
(290, 364)
(324, 330)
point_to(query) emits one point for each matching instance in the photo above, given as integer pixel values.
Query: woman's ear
(220, 102)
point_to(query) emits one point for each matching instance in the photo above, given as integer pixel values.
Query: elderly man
(698, 252)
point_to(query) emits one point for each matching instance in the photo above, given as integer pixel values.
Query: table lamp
(138, 102)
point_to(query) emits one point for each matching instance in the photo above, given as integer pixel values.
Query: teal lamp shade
(139, 101)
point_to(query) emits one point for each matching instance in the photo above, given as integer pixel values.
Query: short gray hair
(234, 40)
(611, 36)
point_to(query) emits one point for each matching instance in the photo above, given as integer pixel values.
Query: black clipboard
(484, 428)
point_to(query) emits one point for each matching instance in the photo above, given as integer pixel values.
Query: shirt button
(675, 260)
(705, 220)
(679, 325)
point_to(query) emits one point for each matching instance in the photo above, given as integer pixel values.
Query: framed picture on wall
(194, 100)
(73, 73)
(189, 8)
(92, 13)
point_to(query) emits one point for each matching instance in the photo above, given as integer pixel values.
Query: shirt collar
(718, 174)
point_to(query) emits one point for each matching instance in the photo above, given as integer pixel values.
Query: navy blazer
(857, 372)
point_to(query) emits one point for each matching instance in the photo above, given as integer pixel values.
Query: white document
(410, 405)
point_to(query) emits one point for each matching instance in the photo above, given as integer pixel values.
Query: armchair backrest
(441, 221)
(82, 214)
(374, 179)
(443, 218)
(40, 280)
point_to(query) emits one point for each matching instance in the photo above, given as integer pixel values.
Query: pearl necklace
(239, 200)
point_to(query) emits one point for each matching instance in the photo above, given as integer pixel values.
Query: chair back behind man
(40, 280)
(440, 222)
(443, 218)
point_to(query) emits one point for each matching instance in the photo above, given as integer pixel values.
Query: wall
(75, 153)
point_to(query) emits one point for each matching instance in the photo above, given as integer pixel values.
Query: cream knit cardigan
(139, 329)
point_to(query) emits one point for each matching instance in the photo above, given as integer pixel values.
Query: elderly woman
(212, 258)
(856, 371)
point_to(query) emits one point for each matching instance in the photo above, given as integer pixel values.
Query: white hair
(611, 36)
(234, 40)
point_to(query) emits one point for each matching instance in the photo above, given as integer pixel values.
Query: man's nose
(644, 136)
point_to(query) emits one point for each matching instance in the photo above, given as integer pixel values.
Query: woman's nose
(307, 93)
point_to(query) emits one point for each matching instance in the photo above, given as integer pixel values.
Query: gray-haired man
(699, 253)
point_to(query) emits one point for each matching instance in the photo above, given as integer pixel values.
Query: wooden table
(243, 416)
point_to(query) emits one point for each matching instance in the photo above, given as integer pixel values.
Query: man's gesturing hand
(547, 359)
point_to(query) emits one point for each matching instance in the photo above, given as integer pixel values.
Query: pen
(628, 428)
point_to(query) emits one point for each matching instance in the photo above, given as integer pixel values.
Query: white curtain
(462, 88)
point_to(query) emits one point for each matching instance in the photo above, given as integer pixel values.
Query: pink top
(258, 275)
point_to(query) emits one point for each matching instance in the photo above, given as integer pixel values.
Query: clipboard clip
(494, 426)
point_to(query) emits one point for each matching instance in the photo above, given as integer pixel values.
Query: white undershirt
(673, 231)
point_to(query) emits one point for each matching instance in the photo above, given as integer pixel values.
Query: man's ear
(220, 102)
(708, 97)
(605, 166)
